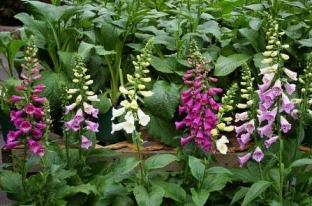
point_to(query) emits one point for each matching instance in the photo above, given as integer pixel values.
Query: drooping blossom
(243, 159)
(257, 154)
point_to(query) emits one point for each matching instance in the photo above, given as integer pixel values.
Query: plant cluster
(210, 71)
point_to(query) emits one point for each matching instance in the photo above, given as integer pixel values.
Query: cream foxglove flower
(125, 103)
(291, 74)
(143, 118)
(117, 127)
(129, 126)
(118, 112)
(134, 104)
(123, 90)
(72, 91)
(93, 98)
(146, 93)
(89, 82)
(221, 145)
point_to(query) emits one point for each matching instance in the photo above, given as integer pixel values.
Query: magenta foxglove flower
(85, 142)
(30, 109)
(15, 114)
(285, 126)
(16, 98)
(36, 133)
(257, 155)
(250, 126)
(20, 87)
(36, 147)
(242, 160)
(25, 126)
(185, 140)
(270, 141)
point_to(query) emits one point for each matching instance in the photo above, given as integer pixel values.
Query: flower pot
(6, 124)
(104, 135)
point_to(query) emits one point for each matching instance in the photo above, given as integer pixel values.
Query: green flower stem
(136, 137)
(23, 169)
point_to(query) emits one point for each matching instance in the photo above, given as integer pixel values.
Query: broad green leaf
(84, 50)
(167, 65)
(301, 162)
(159, 161)
(219, 170)
(83, 188)
(164, 131)
(255, 23)
(154, 197)
(67, 58)
(295, 3)
(239, 194)
(10, 182)
(226, 65)
(306, 42)
(215, 182)
(123, 200)
(112, 191)
(199, 197)
(172, 191)
(128, 164)
(165, 100)
(32, 161)
(197, 168)
(104, 104)
(52, 90)
(255, 7)
(255, 191)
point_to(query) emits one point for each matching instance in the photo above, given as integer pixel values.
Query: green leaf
(215, 182)
(301, 162)
(226, 65)
(10, 182)
(255, 191)
(197, 168)
(159, 161)
(239, 194)
(145, 198)
(104, 104)
(172, 191)
(166, 65)
(306, 42)
(128, 164)
(165, 100)
(52, 90)
(219, 170)
(199, 197)
(164, 131)
(83, 188)
(255, 23)
(123, 200)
